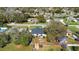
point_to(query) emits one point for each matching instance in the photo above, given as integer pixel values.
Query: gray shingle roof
(62, 38)
(37, 31)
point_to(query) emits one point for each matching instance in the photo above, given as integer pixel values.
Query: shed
(33, 20)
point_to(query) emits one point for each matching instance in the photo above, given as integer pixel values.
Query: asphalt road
(13, 24)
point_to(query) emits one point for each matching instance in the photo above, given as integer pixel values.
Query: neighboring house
(33, 20)
(58, 19)
(59, 15)
(63, 41)
(38, 32)
(3, 29)
(22, 29)
(71, 19)
(77, 19)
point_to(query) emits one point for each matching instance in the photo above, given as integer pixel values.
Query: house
(38, 32)
(59, 15)
(72, 19)
(33, 20)
(3, 29)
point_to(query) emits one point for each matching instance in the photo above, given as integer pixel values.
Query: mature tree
(4, 39)
(41, 19)
(74, 48)
(55, 30)
(23, 37)
(58, 10)
(76, 9)
(3, 18)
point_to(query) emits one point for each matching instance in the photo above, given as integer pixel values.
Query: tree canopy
(4, 39)
(55, 30)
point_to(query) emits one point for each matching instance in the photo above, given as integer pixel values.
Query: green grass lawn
(72, 41)
(73, 28)
(71, 22)
(12, 47)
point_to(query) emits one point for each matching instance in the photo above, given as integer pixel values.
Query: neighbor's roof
(37, 31)
(77, 19)
(62, 38)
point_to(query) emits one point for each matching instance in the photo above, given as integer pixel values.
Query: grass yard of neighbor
(71, 22)
(13, 47)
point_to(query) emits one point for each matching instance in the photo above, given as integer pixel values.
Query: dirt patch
(19, 46)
